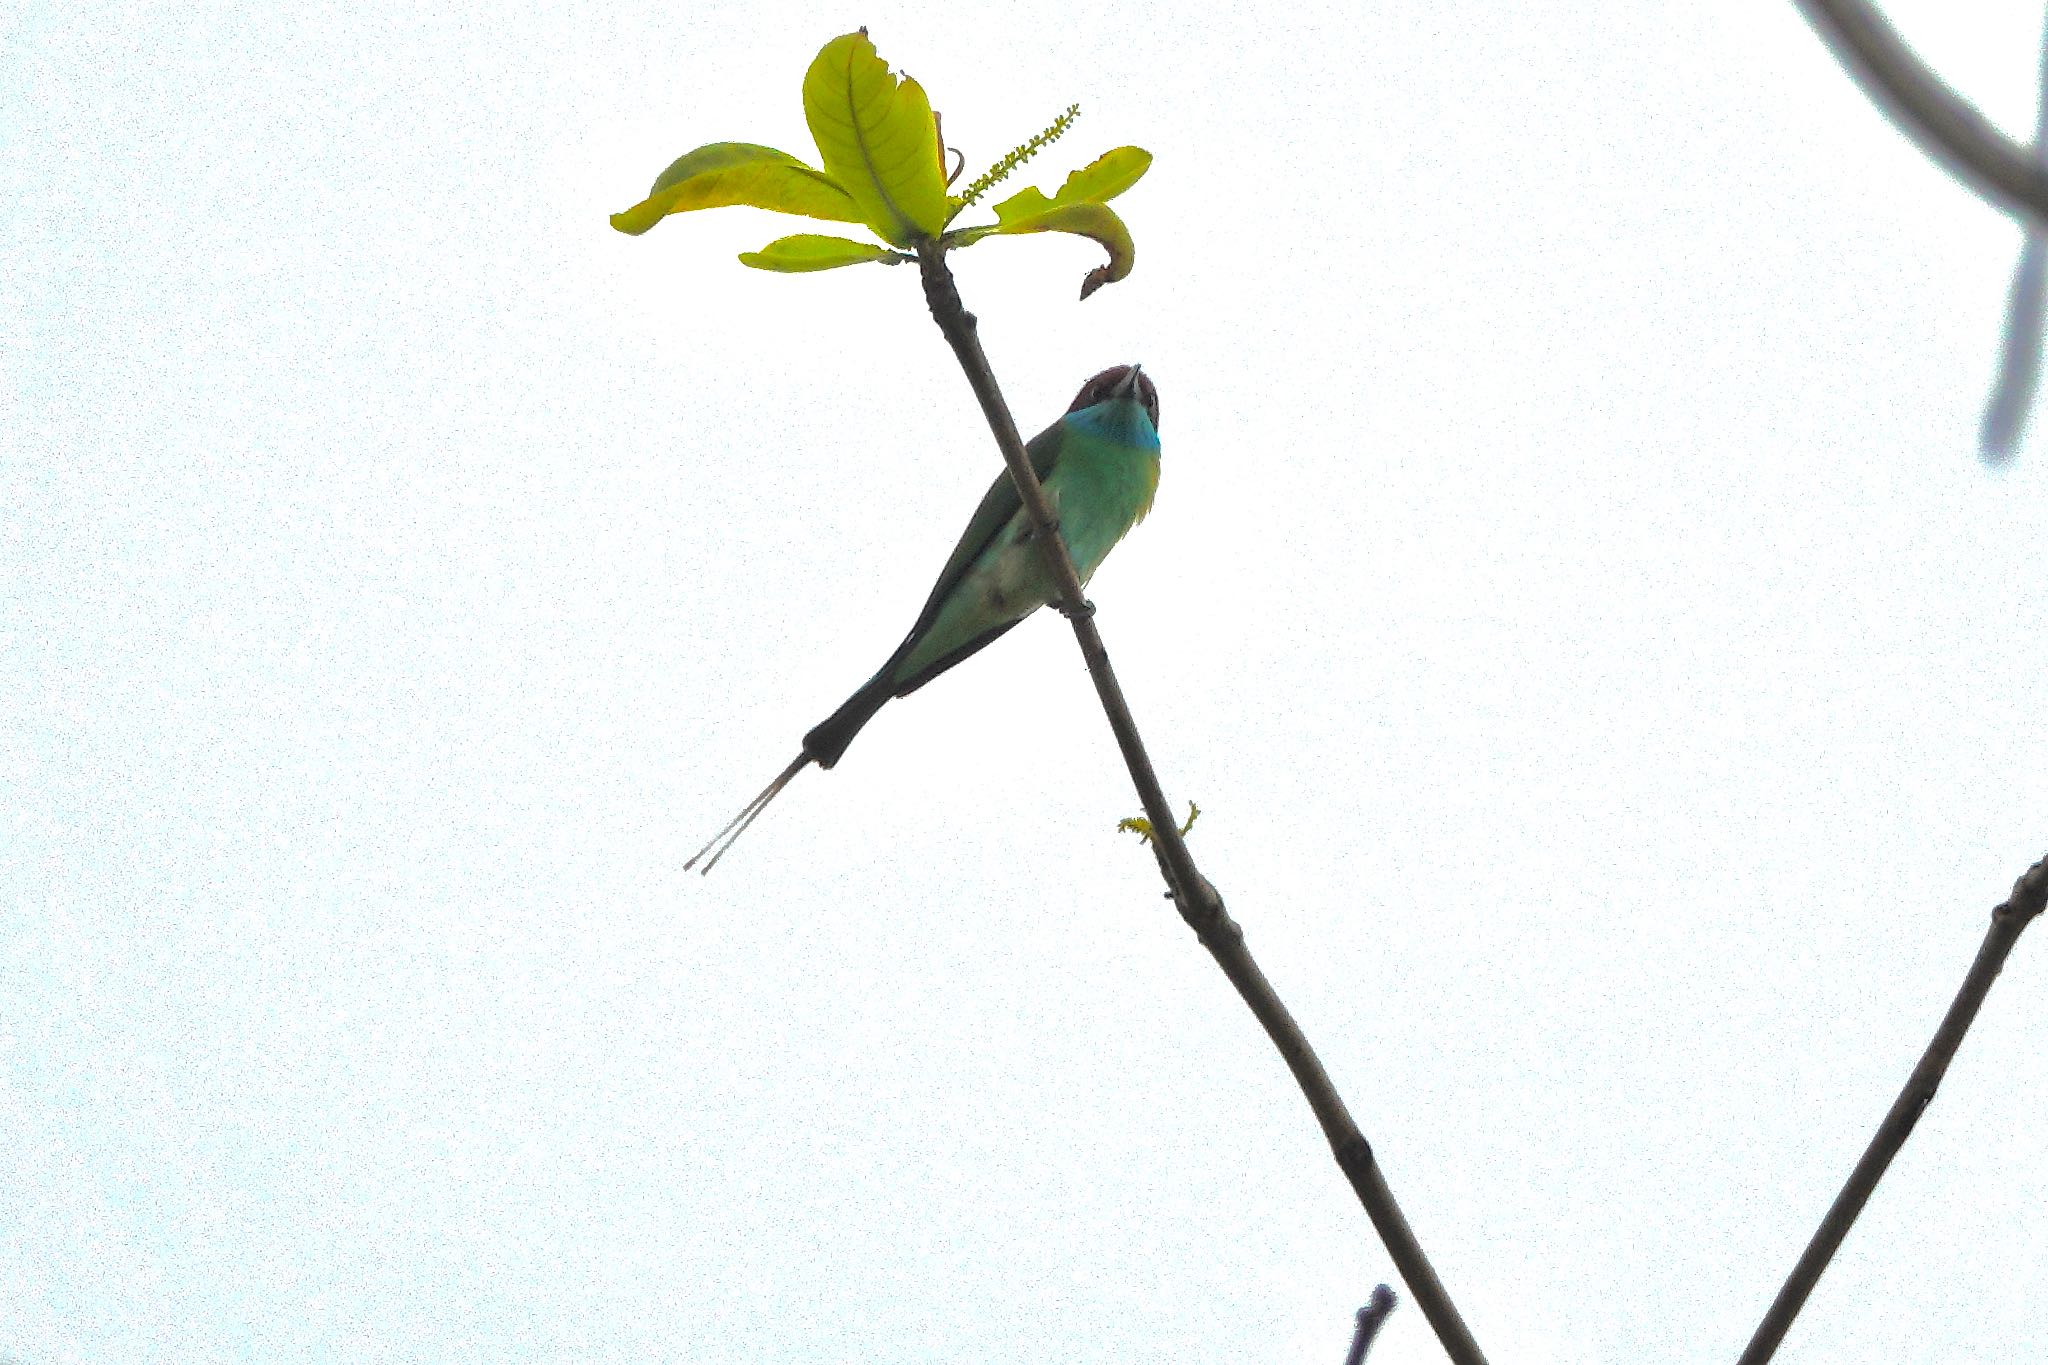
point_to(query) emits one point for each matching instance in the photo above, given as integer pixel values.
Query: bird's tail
(737, 826)
(828, 739)
(822, 746)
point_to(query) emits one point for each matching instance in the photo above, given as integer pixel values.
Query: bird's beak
(1127, 387)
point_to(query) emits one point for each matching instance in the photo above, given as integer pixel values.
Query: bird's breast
(1104, 487)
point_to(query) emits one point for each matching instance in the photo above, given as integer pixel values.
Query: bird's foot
(1080, 613)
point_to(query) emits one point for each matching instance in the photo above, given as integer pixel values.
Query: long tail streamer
(737, 826)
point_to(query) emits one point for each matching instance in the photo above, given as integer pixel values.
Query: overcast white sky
(1615, 692)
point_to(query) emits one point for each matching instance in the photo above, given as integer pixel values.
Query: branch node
(2029, 894)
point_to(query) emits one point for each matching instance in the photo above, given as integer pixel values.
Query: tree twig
(1947, 127)
(2007, 922)
(2019, 361)
(2019, 364)
(1192, 893)
(1371, 1318)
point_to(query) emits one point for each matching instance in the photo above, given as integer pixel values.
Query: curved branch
(2008, 921)
(1192, 893)
(1947, 127)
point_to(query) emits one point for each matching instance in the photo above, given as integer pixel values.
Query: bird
(1099, 464)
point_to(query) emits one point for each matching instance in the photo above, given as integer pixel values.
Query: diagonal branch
(2008, 921)
(1947, 127)
(1192, 893)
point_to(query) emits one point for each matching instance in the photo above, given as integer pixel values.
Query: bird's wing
(998, 505)
(938, 666)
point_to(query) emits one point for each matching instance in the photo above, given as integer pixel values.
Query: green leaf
(1106, 177)
(1079, 208)
(725, 173)
(877, 140)
(814, 251)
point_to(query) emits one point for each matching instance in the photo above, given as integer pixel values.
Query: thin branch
(1947, 127)
(2019, 361)
(2019, 364)
(1196, 898)
(1370, 1319)
(2007, 922)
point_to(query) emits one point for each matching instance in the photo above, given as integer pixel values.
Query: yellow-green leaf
(1077, 208)
(1099, 181)
(725, 173)
(1140, 826)
(815, 251)
(876, 137)
(1106, 177)
(1087, 220)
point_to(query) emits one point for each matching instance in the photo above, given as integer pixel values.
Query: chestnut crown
(1119, 381)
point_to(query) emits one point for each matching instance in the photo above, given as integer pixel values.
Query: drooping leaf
(816, 251)
(876, 137)
(1079, 208)
(725, 173)
(1086, 220)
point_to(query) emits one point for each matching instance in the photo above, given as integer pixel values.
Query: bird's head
(1127, 382)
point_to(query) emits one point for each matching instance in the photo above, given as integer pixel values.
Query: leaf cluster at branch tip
(884, 168)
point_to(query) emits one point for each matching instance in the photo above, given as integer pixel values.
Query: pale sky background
(1615, 692)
